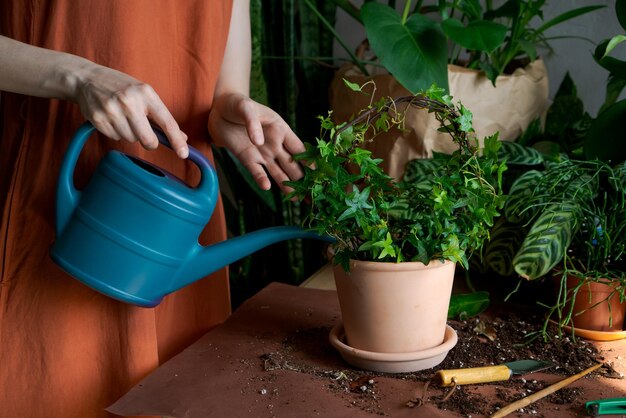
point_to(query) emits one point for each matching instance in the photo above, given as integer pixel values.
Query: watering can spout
(206, 260)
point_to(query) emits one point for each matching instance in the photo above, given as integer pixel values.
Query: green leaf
(440, 198)
(438, 93)
(550, 149)
(613, 42)
(420, 171)
(605, 138)
(490, 71)
(510, 9)
(620, 11)
(464, 305)
(353, 86)
(614, 88)
(452, 250)
(360, 156)
(478, 35)
(356, 202)
(471, 8)
(570, 14)
(414, 52)
(517, 154)
(387, 248)
(465, 119)
(506, 239)
(547, 241)
(517, 207)
(492, 146)
(566, 110)
(614, 65)
(348, 213)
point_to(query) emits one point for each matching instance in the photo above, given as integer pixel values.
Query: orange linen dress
(67, 351)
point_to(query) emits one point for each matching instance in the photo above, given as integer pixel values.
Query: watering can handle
(68, 196)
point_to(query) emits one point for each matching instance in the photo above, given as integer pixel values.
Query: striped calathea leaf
(517, 208)
(419, 172)
(506, 239)
(547, 241)
(549, 205)
(517, 154)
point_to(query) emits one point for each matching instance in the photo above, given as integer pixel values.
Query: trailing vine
(444, 213)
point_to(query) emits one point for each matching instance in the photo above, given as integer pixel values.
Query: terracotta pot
(394, 307)
(597, 306)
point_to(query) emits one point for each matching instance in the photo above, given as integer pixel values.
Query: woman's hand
(258, 137)
(118, 105)
(121, 107)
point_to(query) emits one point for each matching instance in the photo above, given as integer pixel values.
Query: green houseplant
(565, 215)
(572, 215)
(469, 47)
(418, 43)
(381, 224)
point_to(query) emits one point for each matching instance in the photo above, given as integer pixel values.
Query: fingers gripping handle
(208, 181)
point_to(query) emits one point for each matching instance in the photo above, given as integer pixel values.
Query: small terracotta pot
(595, 306)
(394, 307)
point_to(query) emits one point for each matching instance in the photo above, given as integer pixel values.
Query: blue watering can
(132, 233)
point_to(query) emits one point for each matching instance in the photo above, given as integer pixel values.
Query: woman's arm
(118, 105)
(254, 133)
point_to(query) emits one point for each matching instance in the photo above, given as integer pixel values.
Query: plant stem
(405, 13)
(374, 113)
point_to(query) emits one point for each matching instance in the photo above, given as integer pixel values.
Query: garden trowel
(489, 373)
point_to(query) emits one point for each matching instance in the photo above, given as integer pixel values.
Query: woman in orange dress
(65, 350)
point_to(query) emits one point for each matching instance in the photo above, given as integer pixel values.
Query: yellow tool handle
(472, 375)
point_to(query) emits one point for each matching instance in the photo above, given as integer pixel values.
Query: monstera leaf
(413, 51)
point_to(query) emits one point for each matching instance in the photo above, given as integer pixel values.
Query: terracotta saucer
(594, 335)
(392, 362)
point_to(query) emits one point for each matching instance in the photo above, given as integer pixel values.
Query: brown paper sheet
(229, 372)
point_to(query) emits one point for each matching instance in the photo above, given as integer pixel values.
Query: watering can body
(132, 233)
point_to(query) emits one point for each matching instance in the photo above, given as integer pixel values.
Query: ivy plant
(442, 210)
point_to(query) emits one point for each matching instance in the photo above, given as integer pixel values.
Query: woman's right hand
(122, 107)
(118, 105)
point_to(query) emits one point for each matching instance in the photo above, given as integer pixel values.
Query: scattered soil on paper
(484, 340)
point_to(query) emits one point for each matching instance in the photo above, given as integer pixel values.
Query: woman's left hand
(258, 137)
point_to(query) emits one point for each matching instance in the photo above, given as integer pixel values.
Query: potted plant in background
(565, 217)
(394, 239)
(573, 217)
(485, 54)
